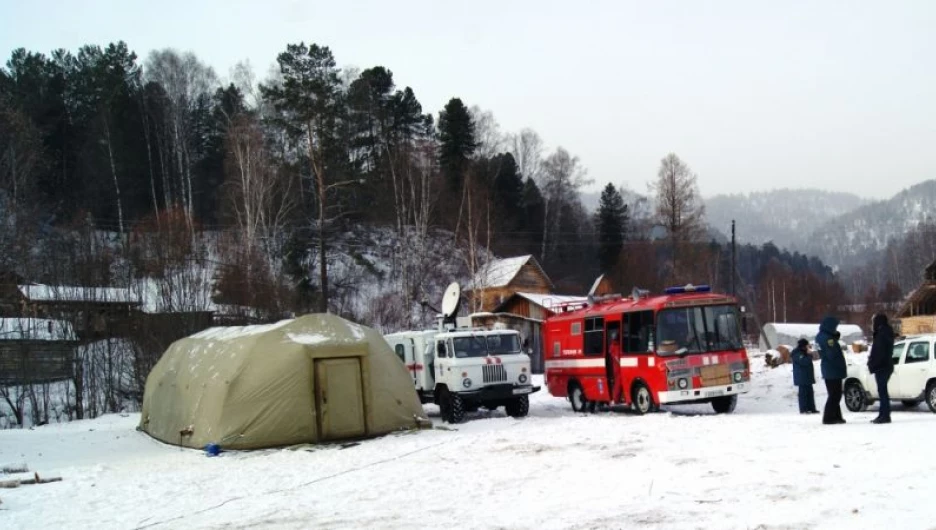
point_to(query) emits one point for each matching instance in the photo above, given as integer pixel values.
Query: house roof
(38, 329)
(70, 293)
(922, 295)
(500, 272)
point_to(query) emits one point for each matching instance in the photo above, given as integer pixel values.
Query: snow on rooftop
(498, 273)
(72, 293)
(36, 329)
(307, 338)
(810, 331)
(236, 332)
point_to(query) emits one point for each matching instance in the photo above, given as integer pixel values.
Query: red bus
(683, 346)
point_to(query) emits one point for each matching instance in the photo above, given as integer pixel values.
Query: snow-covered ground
(766, 466)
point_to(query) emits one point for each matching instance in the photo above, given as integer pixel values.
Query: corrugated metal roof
(71, 293)
(40, 329)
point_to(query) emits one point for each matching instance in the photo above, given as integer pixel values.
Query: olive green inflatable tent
(313, 379)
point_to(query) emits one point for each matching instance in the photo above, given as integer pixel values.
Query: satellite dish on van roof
(451, 300)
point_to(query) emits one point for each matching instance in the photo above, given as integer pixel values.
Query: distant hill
(848, 240)
(787, 217)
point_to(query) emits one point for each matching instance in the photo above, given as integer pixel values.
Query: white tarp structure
(788, 334)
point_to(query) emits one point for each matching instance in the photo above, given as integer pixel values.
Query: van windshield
(698, 330)
(484, 345)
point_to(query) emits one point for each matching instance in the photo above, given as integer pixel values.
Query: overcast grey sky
(753, 95)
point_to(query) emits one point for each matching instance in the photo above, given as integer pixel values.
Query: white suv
(913, 380)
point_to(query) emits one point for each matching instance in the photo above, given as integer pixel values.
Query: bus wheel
(725, 404)
(577, 398)
(642, 398)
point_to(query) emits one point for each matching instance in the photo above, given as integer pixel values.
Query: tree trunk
(110, 157)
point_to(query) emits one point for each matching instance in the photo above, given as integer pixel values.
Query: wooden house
(917, 314)
(35, 350)
(499, 279)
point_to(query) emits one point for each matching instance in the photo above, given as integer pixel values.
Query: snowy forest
(319, 188)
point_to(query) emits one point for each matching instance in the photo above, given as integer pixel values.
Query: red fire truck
(683, 346)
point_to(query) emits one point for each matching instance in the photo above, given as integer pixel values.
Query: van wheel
(855, 398)
(642, 399)
(455, 408)
(931, 395)
(577, 398)
(725, 404)
(518, 408)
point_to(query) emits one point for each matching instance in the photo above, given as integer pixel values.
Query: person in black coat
(833, 369)
(804, 376)
(881, 364)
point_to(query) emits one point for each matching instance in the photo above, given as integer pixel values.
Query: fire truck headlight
(466, 382)
(683, 383)
(738, 376)
(523, 379)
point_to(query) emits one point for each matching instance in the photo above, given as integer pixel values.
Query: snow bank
(765, 466)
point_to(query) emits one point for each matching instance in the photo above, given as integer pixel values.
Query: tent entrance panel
(339, 398)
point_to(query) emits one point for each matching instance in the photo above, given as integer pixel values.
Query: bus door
(612, 356)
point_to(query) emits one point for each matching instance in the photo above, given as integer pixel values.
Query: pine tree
(611, 221)
(458, 143)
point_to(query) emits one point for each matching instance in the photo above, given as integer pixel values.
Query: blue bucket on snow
(212, 449)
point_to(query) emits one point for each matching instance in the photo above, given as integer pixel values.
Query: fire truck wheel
(455, 408)
(725, 404)
(577, 398)
(643, 399)
(518, 408)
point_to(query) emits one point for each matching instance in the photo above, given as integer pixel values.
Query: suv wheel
(855, 398)
(931, 395)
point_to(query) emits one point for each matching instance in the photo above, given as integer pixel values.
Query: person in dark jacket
(833, 369)
(881, 364)
(804, 376)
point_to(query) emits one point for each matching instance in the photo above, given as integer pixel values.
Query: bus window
(681, 330)
(698, 329)
(723, 328)
(594, 336)
(638, 329)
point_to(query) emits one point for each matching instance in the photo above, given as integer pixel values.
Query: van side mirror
(440, 349)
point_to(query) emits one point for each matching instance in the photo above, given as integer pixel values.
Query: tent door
(339, 398)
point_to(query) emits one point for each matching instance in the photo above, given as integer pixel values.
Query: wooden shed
(35, 350)
(499, 279)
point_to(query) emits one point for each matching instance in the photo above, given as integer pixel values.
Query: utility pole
(732, 258)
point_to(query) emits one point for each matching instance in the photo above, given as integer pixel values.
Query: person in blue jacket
(833, 369)
(804, 377)
(881, 363)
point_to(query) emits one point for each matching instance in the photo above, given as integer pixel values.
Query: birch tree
(679, 206)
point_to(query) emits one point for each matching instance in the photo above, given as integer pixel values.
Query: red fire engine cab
(683, 346)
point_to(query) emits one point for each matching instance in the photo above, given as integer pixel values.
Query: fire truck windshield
(698, 330)
(484, 345)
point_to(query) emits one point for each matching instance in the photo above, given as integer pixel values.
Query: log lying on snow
(28, 480)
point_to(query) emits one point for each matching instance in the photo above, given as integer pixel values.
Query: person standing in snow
(804, 376)
(881, 364)
(833, 369)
